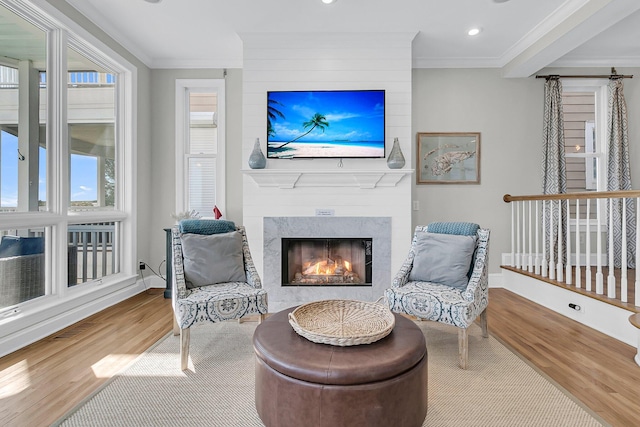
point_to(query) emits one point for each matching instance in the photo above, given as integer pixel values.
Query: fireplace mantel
(292, 178)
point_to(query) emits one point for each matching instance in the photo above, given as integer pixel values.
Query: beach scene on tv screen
(315, 124)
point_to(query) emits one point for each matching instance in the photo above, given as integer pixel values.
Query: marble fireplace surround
(276, 228)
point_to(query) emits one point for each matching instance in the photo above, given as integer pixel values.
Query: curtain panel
(554, 174)
(619, 175)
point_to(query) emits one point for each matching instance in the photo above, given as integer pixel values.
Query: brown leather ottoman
(299, 382)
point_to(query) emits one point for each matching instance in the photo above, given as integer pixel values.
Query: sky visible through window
(83, 174)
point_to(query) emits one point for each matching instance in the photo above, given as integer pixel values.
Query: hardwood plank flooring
(40, 383)
(598, 370)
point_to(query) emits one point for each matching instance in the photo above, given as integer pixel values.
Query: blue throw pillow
(442, 258)
(457, 228)
(206, 226)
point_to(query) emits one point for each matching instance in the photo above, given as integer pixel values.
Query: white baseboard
(608, 319)
(152, 282)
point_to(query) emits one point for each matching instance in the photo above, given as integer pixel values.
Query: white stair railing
(539, 244)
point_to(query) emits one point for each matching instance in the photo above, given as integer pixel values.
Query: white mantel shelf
(290, 178)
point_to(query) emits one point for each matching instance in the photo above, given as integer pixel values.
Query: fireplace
(377, 229)
(327, 261)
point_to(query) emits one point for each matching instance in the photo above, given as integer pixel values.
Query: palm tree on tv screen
(272, 114)
(317, 121)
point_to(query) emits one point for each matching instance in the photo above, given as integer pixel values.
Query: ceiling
(519, 36)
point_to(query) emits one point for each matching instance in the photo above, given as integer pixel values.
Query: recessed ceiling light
(153, 1)
(329, 1)
(474, 31)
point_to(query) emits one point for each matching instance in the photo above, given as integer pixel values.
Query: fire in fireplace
(326, 261)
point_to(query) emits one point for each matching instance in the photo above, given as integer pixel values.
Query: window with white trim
(66, 158)
(200, 146)
(584, 106)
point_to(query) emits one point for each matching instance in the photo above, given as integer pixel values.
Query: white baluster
(611, 279)
(530, 263)
(578, 272)
(513, 234)
(587, 251)
(560, 248)
(637, 281)
(568, 277)
(599, 275)
(523, 227)
(524, 235)
(552, 261)
(518, 263)
(623, 259)
(537, 266)
(544, 239)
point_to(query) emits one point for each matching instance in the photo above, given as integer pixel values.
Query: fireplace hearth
(327, 261)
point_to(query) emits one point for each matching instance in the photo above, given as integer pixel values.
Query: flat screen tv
(328, 123)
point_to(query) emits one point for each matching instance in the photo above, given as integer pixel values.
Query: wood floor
(41, 382)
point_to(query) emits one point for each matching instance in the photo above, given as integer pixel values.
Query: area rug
(497, 389)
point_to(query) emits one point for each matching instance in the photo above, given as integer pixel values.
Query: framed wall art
(448, 158)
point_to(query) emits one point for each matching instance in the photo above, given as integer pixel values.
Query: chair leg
(185, 335)
(463, 347)
(483, 324)
(176, 327)
(261, 318)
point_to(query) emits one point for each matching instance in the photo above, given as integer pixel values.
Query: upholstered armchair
(444, 278)
(21, 269)
(214, 278)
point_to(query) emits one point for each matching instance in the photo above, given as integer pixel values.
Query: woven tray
(342, 322)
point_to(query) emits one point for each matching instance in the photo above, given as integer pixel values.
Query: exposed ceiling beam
(584, 23)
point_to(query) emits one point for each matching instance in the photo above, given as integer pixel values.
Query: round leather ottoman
(299, 382)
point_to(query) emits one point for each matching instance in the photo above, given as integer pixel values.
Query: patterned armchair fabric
(213, 303)
(441, 303)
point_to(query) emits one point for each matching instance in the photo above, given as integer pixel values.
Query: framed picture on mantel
(448, 158)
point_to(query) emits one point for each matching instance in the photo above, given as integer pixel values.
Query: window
(200, 146)
(91, 117)
(584, 105)
(24, 112)
(584, 122)
(67, 158)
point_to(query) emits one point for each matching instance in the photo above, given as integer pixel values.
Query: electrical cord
(153, 271)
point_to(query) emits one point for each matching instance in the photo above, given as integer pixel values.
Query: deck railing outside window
(90, 254)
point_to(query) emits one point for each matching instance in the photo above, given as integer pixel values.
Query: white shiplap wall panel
(254, 87)
(376, 79)
(275, 61)
(320, 53)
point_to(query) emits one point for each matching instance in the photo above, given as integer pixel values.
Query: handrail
(575, 196)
